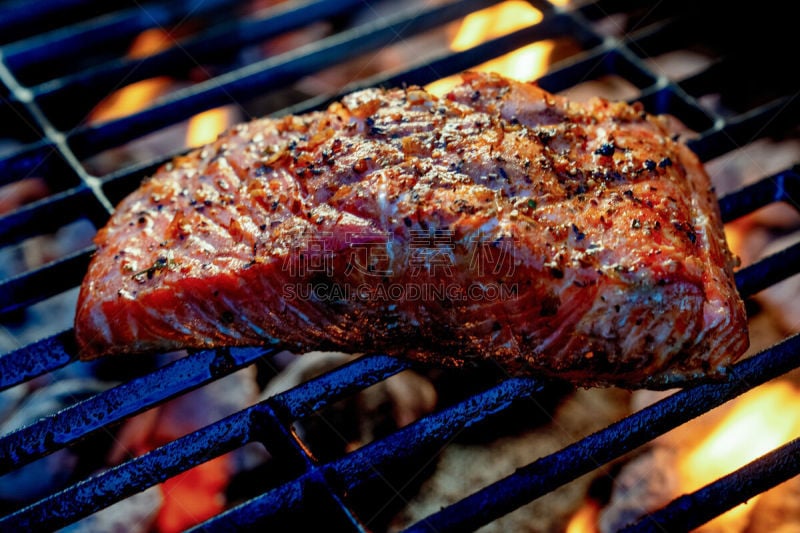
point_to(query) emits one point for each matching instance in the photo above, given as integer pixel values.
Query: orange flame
(204, 127)
(135, 96)
(760, 421)
(524, 64)
(737, 233)
(585, 519)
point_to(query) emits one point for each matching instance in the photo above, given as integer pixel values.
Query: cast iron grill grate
(42, 109)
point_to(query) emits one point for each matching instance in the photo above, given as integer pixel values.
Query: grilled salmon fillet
(497, 223)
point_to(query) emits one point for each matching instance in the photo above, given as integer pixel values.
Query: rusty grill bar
(44, 114)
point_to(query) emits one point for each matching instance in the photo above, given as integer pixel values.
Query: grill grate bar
(267, 421)
(781, 187)
(26, 289)
(692, 510)
(48, 215)
(254, 79)
(552, 471)
(317, 394)
(140, 473)
(745, 128)
(40, 158)
(447, 64)
(328, 489)
(450, 63)
(602, 60)
(224, 39)
(705, 81)
(78, 421)
(769, 271)
(37, 358)
(671, 99)
(19, 20)
(31, 56)
(367, 463)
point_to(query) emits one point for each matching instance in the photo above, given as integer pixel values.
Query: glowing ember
(524, 64)
(204, 127)
(585, 519)
(193, 496)
(148, 43)
(761, 420)
(135, 96)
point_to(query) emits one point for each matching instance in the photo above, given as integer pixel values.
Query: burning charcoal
(205, 484)
(645, 484)
(376, 411)
(463, 467)
(53, 471)
(131, 515)
(300, 369)
(185, 414)
(707, 448)
(350, 423)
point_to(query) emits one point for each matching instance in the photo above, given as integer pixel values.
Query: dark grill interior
(59, 60)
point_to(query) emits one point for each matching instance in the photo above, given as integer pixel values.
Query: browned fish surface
(499, 222)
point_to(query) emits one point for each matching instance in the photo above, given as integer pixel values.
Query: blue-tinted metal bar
(85, 36)
(20, 15)
(97, 492)
(126, 180)
(304, 504)
(366, 463)
(781, 187)
(431, 432)
(37, 358)
(77, 421)
(265, 421)
(691, 511)
(446, 64)
(746, 128)
(47, 215)
(594, 64)
(53, 278)
(549, 473)
(671, 100)
(705, 81)
(769, 271)
(343, 381)
(222, 39)
(37, 159)
(262, 76)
